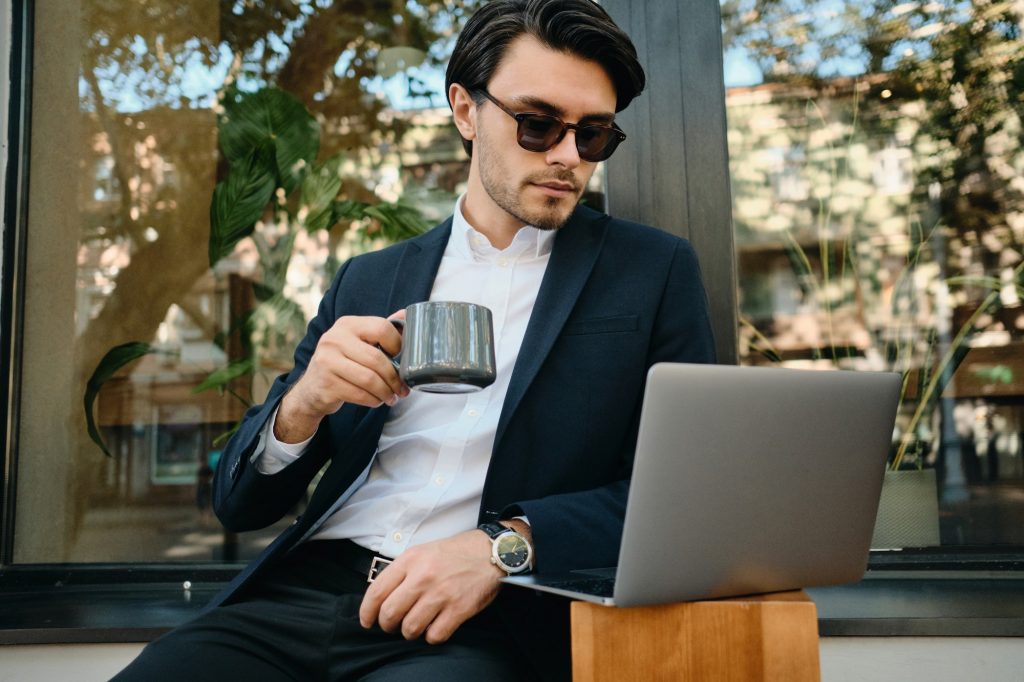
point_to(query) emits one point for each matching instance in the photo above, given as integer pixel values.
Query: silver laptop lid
(752, 480)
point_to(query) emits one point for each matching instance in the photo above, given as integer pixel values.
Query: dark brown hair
(578, 27)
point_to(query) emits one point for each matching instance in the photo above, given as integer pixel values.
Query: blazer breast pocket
(602, 325)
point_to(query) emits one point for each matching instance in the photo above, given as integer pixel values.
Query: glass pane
(128, 99)
(876, 164)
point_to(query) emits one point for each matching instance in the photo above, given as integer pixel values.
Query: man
(583, 305)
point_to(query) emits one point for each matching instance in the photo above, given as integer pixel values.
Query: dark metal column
(673, 171)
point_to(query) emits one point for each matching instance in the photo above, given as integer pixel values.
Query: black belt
(347, 554)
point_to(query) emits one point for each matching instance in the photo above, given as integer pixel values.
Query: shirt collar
(529, 242)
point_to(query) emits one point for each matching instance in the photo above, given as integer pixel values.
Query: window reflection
(149, 78)
(876, 159)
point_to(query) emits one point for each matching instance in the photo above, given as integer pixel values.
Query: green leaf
(918, 239)
(1000, 374)
(239, 202)
(348, 210)
(281, 313)
(991, 283)
(801, 265)
(262, 292)
(398, 221)
(116, 358)
(223, 438)
(243, 325)
(319, 189)
(275, 118)
(225, 375)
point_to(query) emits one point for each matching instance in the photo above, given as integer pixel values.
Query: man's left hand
(433, 588)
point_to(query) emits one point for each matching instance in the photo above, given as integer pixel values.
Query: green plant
(270, 142)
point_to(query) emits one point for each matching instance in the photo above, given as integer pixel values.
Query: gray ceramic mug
(447, 347)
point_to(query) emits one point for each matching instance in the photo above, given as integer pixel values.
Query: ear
(463, 110)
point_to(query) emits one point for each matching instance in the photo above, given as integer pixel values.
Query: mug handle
(396, 360)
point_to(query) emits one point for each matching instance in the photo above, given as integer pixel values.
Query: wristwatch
(510, 551)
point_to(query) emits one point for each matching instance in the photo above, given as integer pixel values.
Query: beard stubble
(503, 191)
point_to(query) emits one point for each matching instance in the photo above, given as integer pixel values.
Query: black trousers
(301, 622)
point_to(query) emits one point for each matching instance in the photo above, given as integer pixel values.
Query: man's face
(537, 188)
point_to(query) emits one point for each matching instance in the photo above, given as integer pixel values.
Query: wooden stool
(747, 639)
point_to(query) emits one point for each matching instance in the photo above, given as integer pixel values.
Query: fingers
(381, 588)
(444, 626)
(334, 378)
(377, 331)
(380, 337)
(432, 589)
(365, 367)
(354, 393)
(412, 610)
(348, 366)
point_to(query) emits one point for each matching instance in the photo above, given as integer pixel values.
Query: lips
(555, 188)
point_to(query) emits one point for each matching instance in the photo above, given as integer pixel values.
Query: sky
(199, 83)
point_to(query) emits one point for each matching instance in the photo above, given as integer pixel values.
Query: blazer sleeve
(583, 529)
(245, 499)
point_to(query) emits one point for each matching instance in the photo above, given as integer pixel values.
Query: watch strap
(494, 529)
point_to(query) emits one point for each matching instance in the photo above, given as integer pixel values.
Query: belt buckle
(377, 566)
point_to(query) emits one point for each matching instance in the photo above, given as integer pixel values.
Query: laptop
(746, 480)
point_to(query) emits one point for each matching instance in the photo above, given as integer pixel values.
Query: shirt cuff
(271, 455)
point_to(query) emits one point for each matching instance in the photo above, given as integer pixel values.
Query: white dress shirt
(427, 477)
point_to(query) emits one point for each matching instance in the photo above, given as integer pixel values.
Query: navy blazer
(616, 298)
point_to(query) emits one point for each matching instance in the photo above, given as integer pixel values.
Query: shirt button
(439, 480)
(503, 263)
(397, 537)
(472, 413)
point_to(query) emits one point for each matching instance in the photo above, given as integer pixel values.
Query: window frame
(701, 213)
(15, 223)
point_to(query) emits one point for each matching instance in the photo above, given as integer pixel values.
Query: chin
(552, 214)
(551, 220)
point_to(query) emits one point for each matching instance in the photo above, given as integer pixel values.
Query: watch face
(512, 550)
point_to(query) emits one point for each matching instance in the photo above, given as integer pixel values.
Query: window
(901, 130)
(893, 173)
(842, 171)
(123, 162)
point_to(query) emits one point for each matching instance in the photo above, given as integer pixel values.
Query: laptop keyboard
(599, 587)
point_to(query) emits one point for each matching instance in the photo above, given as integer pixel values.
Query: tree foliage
(964, 60)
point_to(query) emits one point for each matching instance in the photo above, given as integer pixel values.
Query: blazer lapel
(576, 248)
(417, 268)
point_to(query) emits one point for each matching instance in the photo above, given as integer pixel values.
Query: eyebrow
(544, 107)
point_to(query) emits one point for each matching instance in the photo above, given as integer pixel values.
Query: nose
(565, 153)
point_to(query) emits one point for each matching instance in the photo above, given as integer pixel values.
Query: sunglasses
(541, 132)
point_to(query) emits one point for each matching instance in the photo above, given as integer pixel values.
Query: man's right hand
(347, 367)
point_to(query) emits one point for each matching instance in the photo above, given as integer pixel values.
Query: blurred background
(878, 206)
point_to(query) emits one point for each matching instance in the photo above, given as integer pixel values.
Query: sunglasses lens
(596, 143)
(538, 133)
